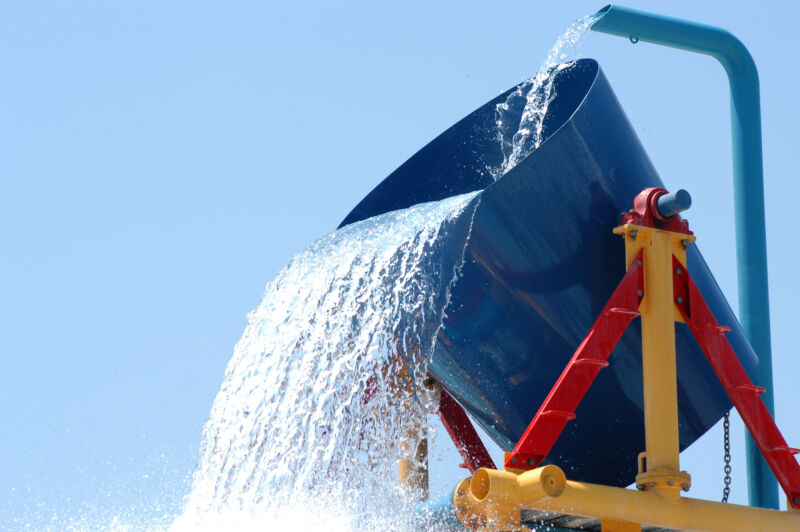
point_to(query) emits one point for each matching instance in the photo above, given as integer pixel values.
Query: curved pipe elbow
(676, 33)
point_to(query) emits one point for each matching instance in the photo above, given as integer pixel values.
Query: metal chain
(726, 427)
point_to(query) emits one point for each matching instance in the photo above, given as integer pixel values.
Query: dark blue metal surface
(541, 263)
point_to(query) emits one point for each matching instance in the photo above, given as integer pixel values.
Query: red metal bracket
(645, 212)
(463, 434)
(743, 393)
(590, 357)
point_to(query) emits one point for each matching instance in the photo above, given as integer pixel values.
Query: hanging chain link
(726, 427)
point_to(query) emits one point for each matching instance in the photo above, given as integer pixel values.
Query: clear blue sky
(160, 162)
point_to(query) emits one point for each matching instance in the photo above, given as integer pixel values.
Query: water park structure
(542, 346)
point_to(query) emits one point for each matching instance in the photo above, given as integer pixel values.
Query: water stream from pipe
(520, 118)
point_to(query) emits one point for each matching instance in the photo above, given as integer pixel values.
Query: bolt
(795, 500)
(652, 484)
(684, 243)
(639, 263)
(531, 461)
(514, 460)
(685, 487)
(678, 271)
(679, 300)
(639, 487)
(633, 234)
(670, 483)
(639, 293)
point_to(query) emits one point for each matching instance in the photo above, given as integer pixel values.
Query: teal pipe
(748, 190)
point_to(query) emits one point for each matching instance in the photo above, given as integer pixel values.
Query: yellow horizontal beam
(651, 509)
(492, 500)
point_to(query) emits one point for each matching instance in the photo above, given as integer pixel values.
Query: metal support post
(748, 189)
(412, 472)
(662, 473)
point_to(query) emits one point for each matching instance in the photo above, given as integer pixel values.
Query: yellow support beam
(662, 448)
(412, 473)
(492, 500)
(615, 525)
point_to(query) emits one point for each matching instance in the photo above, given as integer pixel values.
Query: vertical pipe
(748, 190)
(751, 253)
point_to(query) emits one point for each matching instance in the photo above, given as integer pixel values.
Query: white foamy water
(521, 117)
(325, 381)
(324, 385)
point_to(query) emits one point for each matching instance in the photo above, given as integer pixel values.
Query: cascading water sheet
(324, 384)
(323, 389)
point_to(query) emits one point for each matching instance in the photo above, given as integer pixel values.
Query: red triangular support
(743, 393)
(590, 357)
(463, 434)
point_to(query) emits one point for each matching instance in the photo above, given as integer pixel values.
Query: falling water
(323, 390)
(521, 116)
(324, 383)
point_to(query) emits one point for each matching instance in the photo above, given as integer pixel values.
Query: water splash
(520, 118)
(323, 387)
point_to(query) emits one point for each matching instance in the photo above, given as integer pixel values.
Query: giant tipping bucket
(541, 262)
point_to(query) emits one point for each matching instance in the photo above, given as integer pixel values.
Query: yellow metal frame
(412, 472)
(660, 382)
(492, 499)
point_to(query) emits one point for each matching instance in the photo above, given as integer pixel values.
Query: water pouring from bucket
(324, 388)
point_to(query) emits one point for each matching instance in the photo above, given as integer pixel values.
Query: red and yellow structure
(657, 287)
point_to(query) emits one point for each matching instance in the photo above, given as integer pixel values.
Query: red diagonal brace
(463, 434)
(743, 393)
(590, 357)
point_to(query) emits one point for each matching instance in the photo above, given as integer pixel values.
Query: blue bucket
(541, 262)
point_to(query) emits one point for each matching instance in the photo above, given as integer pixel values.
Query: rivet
(652, 484)
(638, 263)
(639, 293)
(633, 234)
(678, 271)
(685, 487)
(679, 300)
(531, 461)
(684, 243)
(514, 460)
(670, 483)
(795, 500)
